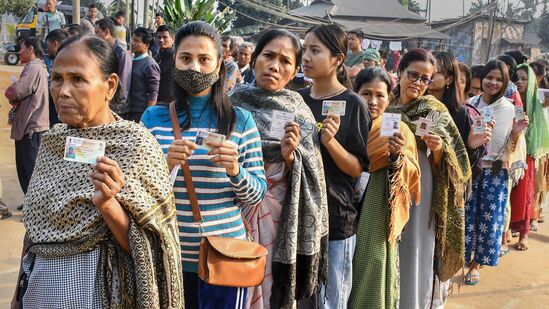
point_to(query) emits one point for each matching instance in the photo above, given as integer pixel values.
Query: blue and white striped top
(217, 193)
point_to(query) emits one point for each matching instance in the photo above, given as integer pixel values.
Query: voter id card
(423, 126)
(333, 108)
(204, 137)
(83, 150)
(390, 124)
(278, 123)
(488, 114)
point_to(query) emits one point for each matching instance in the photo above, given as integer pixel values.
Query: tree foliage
(15, 7)
(243, 10)
(412, 6)
(180, 12)
(543, 29)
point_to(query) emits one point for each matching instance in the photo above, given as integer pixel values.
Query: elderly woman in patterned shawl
(432, 245)
(99, 235)
(393, 185)
(292, 220)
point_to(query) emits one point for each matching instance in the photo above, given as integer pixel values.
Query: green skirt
(375, 272)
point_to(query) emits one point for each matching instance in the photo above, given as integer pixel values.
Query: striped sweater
(216, 191)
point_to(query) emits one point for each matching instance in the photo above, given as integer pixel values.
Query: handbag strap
(197, 216)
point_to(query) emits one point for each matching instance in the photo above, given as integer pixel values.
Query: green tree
(179, 12)
(412, 6)
(15, 7)
(243, 10)
(543, 29)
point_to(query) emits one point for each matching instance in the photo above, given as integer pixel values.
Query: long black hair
(221, 103)
(102, 52)
(413, 55)
(335, 39)
(369, 75)
(511, 65)
(448, 66)
(273, 34)
(502, 67)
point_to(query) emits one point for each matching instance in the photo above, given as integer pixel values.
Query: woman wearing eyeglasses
(431, 249)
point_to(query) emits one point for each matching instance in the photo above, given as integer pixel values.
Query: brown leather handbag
(223, 261)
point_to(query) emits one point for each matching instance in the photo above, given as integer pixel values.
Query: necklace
(338, 92)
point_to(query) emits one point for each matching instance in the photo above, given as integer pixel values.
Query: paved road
(520, 281)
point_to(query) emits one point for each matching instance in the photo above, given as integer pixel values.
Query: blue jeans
(340, 274)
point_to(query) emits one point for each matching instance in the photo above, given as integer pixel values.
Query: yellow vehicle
(28, 25)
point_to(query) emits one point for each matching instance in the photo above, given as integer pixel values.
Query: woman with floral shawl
(392, 187)
(292, 220)
(537, 145)
(99, 235)
(432, 243)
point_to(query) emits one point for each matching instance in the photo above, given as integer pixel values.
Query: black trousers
(25, 156)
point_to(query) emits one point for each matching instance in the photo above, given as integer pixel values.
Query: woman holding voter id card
(430, 252)
(343, 123)
(485, 211)
(221, 149)
(393, 185)
(525, 196)
(295, 198)
(100, 213)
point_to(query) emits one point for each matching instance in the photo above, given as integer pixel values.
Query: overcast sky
(443, 9)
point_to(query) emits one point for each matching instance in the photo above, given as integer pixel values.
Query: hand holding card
(390, 124)
(330, 127)
(225, 154)
(290, 141)
(83, 150)
(107, 179)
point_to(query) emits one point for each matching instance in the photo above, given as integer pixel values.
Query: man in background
(232, 68)
(145, 74)
(166, 62)
(88, 22)
(354, 59)
(245, 51)
(53, 41)
(104, 28)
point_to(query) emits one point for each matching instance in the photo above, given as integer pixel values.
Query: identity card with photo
(519, 113)
(390, 124)
(488, 114)
(333, 108)
(478, 125)
(543, 94)
(278, 123)
(83, 150)
(423, 126)
(204, 137)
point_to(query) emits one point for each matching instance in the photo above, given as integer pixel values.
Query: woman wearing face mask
(292, 220)
(485, 210)
(525, 194)
(231, 170)
(428, 248)
(343, 146)
(392, 186)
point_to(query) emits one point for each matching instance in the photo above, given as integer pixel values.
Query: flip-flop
(504, 252)
(5, 215)
(521, 247)
(541, 219)
(534, 226)
(515, 234)
(469, 279)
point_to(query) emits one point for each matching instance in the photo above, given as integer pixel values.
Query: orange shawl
(404, 174)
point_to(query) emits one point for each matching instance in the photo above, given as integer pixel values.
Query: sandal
(472, 279)
(515, 234)
(5, 215)
(534, 226)
(541, 219)
(521, 247)
(504, 252)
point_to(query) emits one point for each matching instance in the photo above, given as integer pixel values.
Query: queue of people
(199, 143)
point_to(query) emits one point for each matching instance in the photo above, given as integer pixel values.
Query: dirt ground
(520, 281)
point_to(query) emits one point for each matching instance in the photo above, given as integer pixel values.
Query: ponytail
(343, 77)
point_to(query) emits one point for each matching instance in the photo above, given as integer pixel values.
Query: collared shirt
(51, 21)
(31, 92)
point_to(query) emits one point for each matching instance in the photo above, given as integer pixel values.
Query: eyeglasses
(414, 76)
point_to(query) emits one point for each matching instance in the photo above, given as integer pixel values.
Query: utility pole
(491, 23)
(145, 13)
(76, 11)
